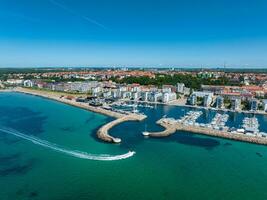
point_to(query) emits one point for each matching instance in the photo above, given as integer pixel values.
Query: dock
(171, 126)
(103, 134)
(169, 129)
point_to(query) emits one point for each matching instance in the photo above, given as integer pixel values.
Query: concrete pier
(171, 127)
(102, 133)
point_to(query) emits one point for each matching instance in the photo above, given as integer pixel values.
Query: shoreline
(171, 128)
(102, 133)
(56, 97)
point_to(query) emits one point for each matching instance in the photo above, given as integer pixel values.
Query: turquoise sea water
(183, 166)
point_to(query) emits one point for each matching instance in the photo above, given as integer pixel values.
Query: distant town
(237, 91)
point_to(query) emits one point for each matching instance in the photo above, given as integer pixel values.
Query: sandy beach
(102, 133)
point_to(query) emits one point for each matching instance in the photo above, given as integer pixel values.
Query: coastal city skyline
(133, 99)
(51, 33)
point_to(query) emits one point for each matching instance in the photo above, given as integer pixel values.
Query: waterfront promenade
(173, 126)
(102, 133)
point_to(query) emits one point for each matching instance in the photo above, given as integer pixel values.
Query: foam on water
(74, 153)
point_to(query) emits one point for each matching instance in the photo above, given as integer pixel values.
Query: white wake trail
(74, 153)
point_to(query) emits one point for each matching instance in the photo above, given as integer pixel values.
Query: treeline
(189, 80)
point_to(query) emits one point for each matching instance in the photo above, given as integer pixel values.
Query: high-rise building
(265, 105)
(236, 104)
(168, 96)
(180, 88)
(253, 104)
(193, 99)
(219, 102)
(207, 99)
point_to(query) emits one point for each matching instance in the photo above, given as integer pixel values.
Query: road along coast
(171, 127)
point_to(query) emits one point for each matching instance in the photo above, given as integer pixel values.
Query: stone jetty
(102, 133)
(171, 127)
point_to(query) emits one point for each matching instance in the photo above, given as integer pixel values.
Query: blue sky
(40, 33)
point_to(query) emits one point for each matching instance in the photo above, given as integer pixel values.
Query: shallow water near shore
(182, 166)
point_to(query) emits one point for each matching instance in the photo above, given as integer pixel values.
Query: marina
(190, 118)
(175, 158)
(251, 125)
(249, 133)
(219, 121)
(217, 127)
(133, 100)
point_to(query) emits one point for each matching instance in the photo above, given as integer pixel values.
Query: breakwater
(103, 134)
(171, 127)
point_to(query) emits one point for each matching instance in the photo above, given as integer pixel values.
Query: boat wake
(74, 153)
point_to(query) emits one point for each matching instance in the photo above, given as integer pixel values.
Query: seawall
(171, 128)
(103, 134)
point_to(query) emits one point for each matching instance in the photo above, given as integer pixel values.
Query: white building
(186, 91)
(28, 83)
(135, 96)
(144, 96)
(166, 88)
(193, 100)
(96, 91)
(207, 100)
(115, 94)
(236, 104)
(136, 89)
(14, 81)
(180, 87)
(80, 86)
(123, 88)
(126, 95)
(168, 96)
(265, 105)
(107, 94)
(155, 97)
(219, 102)
(203, 94)
(253, 105)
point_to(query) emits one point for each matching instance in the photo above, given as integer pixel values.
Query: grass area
(63, 93)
